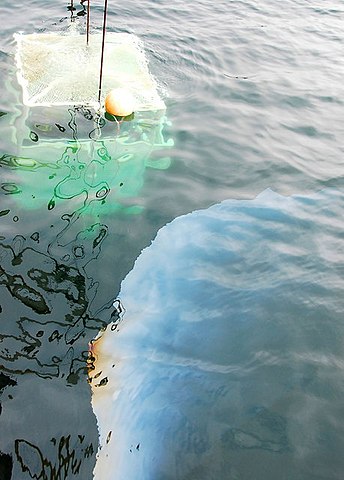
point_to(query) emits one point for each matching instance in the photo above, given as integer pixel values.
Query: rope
(71, 8)
(88, 23)
(102, 57)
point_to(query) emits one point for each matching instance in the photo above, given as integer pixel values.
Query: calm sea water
(254, 98)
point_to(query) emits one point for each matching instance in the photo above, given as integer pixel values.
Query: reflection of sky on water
(230, 341)
(63, 180)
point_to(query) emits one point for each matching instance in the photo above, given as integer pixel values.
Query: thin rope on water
(71, 8)
(88, 23)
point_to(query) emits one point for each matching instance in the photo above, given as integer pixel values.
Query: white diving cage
(61, 69)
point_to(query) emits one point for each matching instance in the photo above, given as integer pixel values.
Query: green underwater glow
(96, 165)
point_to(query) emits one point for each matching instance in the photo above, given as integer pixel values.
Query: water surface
(226, 358)
(254, 100)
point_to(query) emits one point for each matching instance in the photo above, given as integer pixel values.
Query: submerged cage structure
(60, 124)
(62, 70)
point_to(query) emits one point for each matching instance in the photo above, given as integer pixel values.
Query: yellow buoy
(119, 102)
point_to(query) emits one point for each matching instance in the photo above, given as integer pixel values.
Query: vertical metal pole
(88, 23)
(102, 57)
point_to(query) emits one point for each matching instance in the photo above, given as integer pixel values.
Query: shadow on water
(70, 229)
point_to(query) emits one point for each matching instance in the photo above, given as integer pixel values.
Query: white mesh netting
(59, 69)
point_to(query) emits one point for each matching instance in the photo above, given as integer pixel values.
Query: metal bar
(102, 57)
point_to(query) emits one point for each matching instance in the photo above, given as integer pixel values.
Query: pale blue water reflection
(228, 360)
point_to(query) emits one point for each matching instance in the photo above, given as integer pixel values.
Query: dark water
(254, 99)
